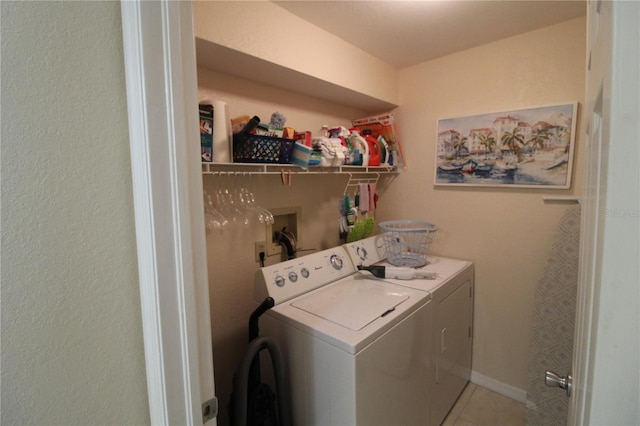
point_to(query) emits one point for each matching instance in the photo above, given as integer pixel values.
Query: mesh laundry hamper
(406, 242)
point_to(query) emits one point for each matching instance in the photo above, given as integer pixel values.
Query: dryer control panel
(368, 251)
(286, 280)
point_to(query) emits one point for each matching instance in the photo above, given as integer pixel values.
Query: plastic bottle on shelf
(385, 151)
(251, 124)
(375, 150)
(358, 143)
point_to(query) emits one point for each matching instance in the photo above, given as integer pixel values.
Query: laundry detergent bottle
(358, 143)
(375, 150)
(384, 151)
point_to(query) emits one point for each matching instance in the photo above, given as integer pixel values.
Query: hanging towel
(553, 323)
(372, 197)
(363, 190)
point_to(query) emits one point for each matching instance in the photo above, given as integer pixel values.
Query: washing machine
(356, 350)
(450, 330)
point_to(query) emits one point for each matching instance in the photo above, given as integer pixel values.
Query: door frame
(606, 343)
(160, 72)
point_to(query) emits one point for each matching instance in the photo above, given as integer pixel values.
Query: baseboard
(499, 387)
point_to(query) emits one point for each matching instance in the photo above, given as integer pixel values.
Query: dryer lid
(352, 304)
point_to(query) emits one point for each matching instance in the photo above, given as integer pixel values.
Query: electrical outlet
(261, 247)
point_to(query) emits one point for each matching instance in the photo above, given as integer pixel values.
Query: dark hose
(266, 304)
(242, 381)
(254, 332)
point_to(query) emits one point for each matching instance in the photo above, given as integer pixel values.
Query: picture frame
(518, 148)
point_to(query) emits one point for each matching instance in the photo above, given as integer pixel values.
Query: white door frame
(161, 75)
(607, 343)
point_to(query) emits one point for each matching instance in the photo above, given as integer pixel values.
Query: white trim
(607, 343)
(159, 64)
(499, 387)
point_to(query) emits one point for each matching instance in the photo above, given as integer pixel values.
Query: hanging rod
(276, 169)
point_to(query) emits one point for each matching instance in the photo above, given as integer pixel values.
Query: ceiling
(404, 33)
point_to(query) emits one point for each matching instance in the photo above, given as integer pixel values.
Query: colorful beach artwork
(531, 148)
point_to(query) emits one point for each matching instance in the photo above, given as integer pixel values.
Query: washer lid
(353, 303)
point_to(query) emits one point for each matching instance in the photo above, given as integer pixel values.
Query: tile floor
(478, 406)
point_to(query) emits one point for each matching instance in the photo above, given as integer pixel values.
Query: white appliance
(451, 324)
(357, 351)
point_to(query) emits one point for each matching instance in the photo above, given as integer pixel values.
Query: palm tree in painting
(459, 143)
(489, 143)
(565, 136)
(538, 139)
(514, 141)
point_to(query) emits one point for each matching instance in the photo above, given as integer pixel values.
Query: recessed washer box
(285, 217)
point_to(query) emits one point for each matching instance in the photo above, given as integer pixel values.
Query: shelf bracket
(561, 199)
(354, 182)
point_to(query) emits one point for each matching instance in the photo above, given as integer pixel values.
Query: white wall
(72, 349)
(506, 232)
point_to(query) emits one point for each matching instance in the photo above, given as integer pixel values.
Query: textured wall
(72, 350)
(507, 232)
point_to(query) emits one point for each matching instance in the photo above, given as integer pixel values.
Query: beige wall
(506, 232)
(72, 344)
(266, 31)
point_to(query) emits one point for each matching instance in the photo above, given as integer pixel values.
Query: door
(452, 344)
(607, 343)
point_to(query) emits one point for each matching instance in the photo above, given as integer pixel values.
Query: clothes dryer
(451, 327)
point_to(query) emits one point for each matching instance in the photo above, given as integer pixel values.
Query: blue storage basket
(250, 148)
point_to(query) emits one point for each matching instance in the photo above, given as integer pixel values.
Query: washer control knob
(304, 272)
(280, 281)
(362, 253)
(336, 261)
(293, 277)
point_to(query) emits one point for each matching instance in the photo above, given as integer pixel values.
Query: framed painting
(526, 148)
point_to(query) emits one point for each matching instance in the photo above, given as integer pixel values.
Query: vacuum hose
(266, 304)
(242, 381)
